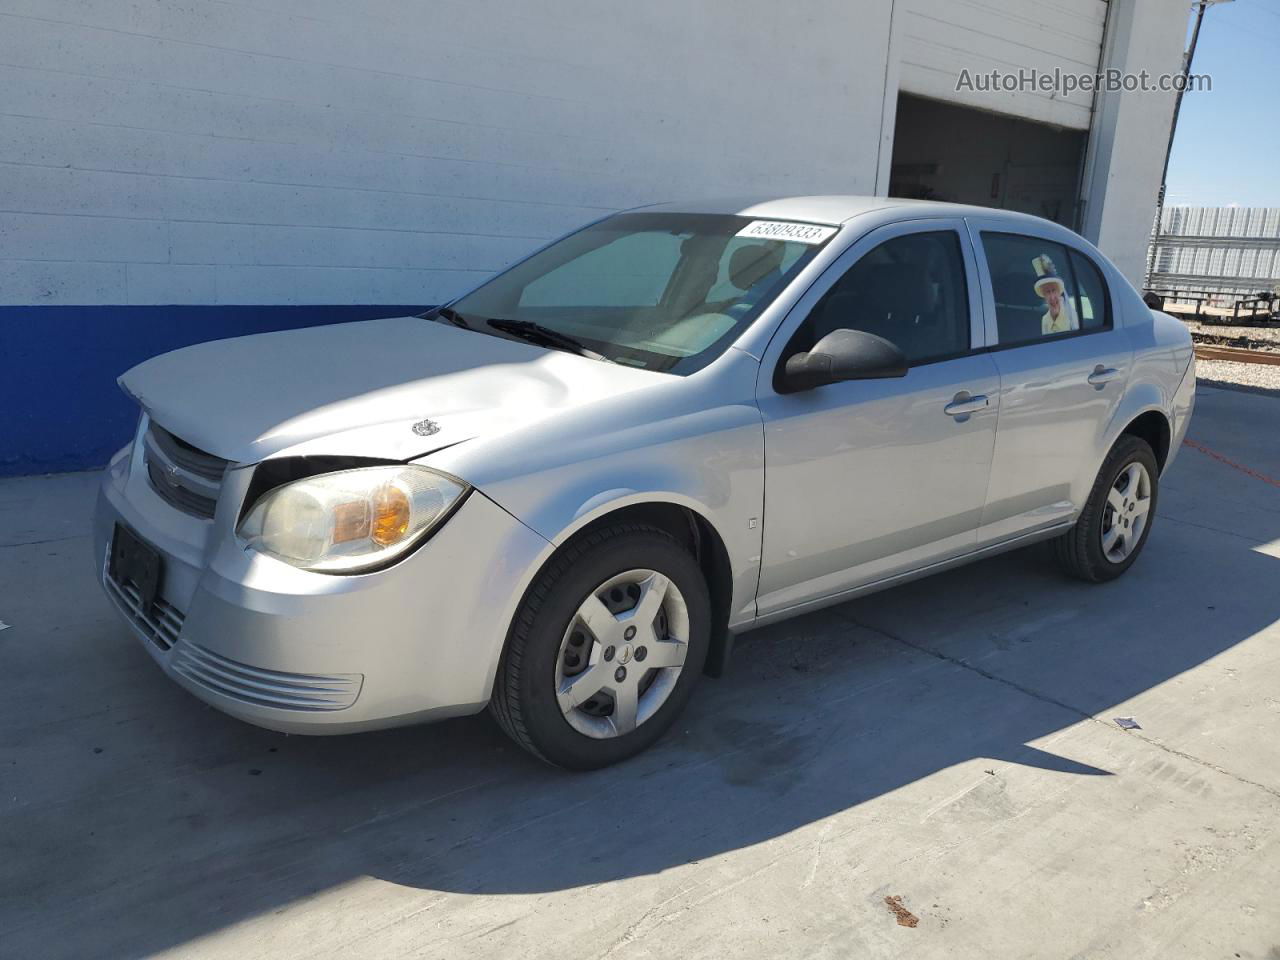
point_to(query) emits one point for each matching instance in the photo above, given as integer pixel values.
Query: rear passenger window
(911, 290)
(1091, 292)
(1041, 289)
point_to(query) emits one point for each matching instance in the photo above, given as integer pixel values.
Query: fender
(699, 446)
(1139, 398)
(610, 501)
(561, 510)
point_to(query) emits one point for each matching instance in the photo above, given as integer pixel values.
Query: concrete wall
(361, 158)
(332, 152)
(1130, 132)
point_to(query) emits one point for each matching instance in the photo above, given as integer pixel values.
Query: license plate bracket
(133, 561)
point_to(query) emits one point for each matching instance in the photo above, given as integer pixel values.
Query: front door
(866, 479)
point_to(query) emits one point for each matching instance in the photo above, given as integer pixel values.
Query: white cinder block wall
(388, 151)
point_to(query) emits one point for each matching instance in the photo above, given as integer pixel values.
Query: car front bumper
(313, 653)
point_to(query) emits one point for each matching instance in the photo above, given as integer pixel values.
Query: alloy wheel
(1127, 512)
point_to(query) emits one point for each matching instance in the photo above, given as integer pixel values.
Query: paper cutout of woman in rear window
(1060, 315)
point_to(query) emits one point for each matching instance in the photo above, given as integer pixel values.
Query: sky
(1227, 147)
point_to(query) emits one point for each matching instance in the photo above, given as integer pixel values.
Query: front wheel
(605, 649)
(1117, 517)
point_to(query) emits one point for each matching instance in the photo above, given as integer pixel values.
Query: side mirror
(844, 355)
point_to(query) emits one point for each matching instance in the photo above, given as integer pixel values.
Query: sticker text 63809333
(811, 233)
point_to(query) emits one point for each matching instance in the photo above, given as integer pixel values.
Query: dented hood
(360, 389)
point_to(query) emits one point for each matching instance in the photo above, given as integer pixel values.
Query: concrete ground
(934, 771)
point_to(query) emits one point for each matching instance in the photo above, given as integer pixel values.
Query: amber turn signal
(391, 511)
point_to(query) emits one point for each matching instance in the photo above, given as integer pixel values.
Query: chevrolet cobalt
(562, 494)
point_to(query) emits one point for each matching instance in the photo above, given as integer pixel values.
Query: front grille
(161, 624)
(184, 476)
(265, 688)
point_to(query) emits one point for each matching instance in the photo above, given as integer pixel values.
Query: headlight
(351, 520)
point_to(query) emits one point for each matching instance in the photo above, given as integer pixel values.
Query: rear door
(869, 478)
(1063, 362)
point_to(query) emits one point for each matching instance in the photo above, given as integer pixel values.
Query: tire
(1080, 551)
(529, 694)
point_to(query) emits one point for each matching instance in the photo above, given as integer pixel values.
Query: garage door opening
(946, 152)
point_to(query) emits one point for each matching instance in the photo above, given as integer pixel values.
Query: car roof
(835, 209)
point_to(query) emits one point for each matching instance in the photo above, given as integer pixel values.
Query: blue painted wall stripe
(60, 407)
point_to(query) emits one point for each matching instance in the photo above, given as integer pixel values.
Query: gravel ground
(1258, 338)
(1259, 375)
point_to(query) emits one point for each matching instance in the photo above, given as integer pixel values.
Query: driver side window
(910, 290)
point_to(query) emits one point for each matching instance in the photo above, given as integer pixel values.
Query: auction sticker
(811, 233)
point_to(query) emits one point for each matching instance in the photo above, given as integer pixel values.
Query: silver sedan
(561, 495)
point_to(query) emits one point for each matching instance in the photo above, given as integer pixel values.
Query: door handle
(1101, 375)
(962, 404)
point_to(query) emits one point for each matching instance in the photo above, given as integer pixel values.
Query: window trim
(979, 227)
(1072, 253)
(776, 352)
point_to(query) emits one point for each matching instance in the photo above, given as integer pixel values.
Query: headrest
(752, 263)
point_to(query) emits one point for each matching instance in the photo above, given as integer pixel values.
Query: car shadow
(188, 821)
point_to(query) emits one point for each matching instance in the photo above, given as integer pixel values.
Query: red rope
(1196, 445)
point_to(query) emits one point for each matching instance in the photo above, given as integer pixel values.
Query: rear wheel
(606, 648)
(1117, 517)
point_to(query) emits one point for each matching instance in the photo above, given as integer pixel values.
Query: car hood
(397, 389)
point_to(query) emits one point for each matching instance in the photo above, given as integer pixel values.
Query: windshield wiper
(448, 314)
(532, 332)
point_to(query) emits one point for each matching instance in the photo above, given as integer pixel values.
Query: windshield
(663, 291)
